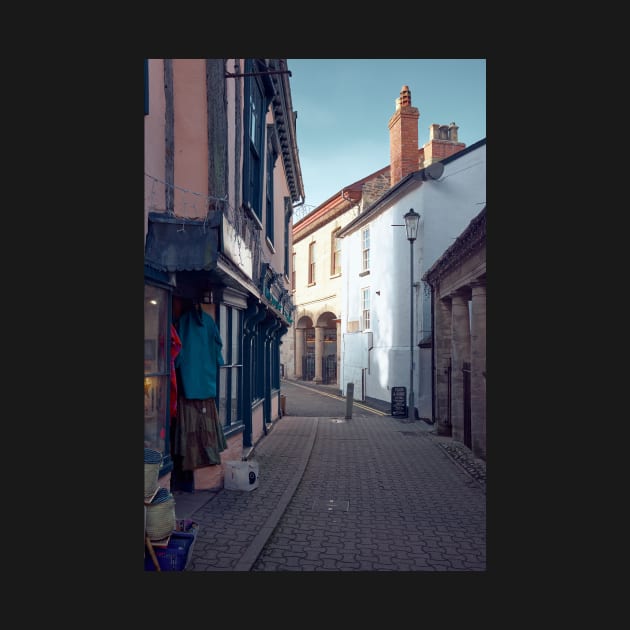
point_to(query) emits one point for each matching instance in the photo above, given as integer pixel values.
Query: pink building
(221, 179)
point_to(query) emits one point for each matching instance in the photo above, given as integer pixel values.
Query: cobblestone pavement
(367, 493)
(379, 495)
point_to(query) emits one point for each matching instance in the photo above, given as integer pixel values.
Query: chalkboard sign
(399, 401)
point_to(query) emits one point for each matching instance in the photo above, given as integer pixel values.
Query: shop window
(157, 370)
(230, 374)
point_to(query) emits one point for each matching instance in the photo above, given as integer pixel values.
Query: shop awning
(182, 244)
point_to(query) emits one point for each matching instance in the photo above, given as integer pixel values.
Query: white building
(379, 339)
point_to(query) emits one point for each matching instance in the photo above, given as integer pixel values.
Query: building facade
(311, 351)
(313, 348)
(458, 291)
(222, 177)
(386, 316)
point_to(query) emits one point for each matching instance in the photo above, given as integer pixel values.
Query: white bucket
(241, 475)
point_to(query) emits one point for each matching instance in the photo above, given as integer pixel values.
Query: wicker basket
(152, 463)
(161, 519)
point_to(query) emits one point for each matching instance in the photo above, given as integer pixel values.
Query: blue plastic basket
(175, 556)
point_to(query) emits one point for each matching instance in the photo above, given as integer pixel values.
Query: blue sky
(344, 105)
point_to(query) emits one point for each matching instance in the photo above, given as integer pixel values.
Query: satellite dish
(434, 171)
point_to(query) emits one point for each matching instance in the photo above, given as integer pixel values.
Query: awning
(182, 244)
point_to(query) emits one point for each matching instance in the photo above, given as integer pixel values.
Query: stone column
(460, 352)
(442, 351)
(478, 367)
(319, 353)
(338, 351)
(299, 351)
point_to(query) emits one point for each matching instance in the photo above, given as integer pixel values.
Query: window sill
(253, 216)
(270, 244)
(364, 273)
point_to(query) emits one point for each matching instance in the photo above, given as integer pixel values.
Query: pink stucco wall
(154, 160)
(190, 137)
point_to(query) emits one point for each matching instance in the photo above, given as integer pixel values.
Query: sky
(344, 105)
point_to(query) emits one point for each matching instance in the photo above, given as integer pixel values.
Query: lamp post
(411, 225)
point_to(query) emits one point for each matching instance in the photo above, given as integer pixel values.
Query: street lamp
(412, 219)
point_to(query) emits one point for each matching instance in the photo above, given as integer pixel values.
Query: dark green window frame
(230, 385)
(255, 112)
(272, 156)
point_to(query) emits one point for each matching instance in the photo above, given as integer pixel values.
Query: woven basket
(161, 515)
(152, 463)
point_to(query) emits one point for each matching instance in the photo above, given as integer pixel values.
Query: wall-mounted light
(412, 219)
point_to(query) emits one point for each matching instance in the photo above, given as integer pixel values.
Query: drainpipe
(433, 339)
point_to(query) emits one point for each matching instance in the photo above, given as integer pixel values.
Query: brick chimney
(442, 143)
(403, 138)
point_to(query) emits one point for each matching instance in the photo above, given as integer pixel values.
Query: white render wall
(446, 206)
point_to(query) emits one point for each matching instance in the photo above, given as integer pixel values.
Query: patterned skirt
(199, 436)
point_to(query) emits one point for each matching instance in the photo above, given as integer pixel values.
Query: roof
(416, 177)
(472, 235)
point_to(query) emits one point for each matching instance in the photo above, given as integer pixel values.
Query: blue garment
(200, 356)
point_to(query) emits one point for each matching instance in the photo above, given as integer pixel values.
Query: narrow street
(366, 493)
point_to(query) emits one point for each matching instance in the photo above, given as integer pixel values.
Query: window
(365, 249)
(365, 307)
(311, 263)
(269, 223)
(335, 253)
(230, 374)
(258, 362)
(157, 373)
(288, 212)
(254, 141)
(293, 271)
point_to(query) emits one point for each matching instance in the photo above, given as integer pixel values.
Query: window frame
(254, 155)
(272, 156)
(158, 370)
(365, 251)
(311, 263)
(231, 336)
(366, 320)
(335, 253)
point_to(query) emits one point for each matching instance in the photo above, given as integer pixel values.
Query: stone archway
(326, 348)
(304, 348)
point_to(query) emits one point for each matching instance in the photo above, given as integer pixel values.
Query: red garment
(176, 346)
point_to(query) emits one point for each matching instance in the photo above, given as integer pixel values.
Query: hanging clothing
(199, 437)
(176, 346)
(200, 356)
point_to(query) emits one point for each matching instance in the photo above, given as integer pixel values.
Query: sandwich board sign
(399, 401)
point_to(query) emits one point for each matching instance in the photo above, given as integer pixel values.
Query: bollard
(349, 396)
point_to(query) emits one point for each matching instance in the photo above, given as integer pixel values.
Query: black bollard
(349, 397)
